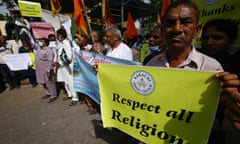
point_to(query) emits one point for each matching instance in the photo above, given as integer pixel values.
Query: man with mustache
(180, 26)
(156, 45)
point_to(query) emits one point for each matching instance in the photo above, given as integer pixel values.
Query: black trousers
(9, 76)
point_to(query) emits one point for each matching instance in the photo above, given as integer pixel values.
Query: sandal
(66, 98)
(73, 103)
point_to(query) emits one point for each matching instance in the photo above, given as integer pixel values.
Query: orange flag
(165, 5)
(106, 14)
(78, 16)
(131, 29)
(55, 6)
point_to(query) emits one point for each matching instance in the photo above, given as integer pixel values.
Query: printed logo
(142, 82)
(210, 1)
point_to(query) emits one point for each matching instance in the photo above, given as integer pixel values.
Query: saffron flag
(106, 14)
(55, 6)
(78, 16)
(165, 5)
(149, 104)
(131, 28)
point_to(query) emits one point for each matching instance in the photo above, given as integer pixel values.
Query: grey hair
(115, 31)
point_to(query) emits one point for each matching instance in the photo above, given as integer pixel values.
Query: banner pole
(85, 15)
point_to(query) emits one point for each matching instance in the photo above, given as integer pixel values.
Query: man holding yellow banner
(184, 113)
(180, 27)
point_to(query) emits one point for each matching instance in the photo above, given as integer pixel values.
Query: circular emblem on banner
(210, 1)
(142, 82)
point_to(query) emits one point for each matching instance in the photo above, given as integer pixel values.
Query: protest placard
(30, 9)
(17, 62)
(159, 105)
(218, 9)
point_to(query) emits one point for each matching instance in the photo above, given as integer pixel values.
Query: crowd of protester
(168, 45)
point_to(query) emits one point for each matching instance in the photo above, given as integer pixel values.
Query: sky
(146, 1)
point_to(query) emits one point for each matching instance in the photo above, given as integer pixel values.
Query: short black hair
(62, 32)
(228, 26)
(46, 40)
(51, 35)
(187, 3)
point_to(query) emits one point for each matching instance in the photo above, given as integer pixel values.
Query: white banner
(17, 62)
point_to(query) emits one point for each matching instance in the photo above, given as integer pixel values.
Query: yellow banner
(157, 105)
(30, 9)
(212, 9)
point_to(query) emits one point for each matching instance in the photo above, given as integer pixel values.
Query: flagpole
(59, 20)
(56, 7)
(122, 13)
(103, 8)
(103, 12)
(85, 14)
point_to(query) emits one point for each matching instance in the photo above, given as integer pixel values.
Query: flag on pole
(131, 28)
(106, 14)
(55, 6)
(78, 16)
(165, 5)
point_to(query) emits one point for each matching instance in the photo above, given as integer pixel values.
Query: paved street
(27, 119)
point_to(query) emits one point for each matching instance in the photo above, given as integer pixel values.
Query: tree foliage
(150, 17)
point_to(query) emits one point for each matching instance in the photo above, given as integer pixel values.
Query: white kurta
(121, 52)
(64, 71)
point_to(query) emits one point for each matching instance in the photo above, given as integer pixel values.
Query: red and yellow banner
(55, 6)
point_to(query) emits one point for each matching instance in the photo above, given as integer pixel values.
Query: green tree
(150, 18)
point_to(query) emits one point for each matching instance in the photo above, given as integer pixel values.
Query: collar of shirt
(193, 61)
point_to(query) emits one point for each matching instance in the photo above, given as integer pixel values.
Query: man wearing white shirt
(64, 66)
(118, 48)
